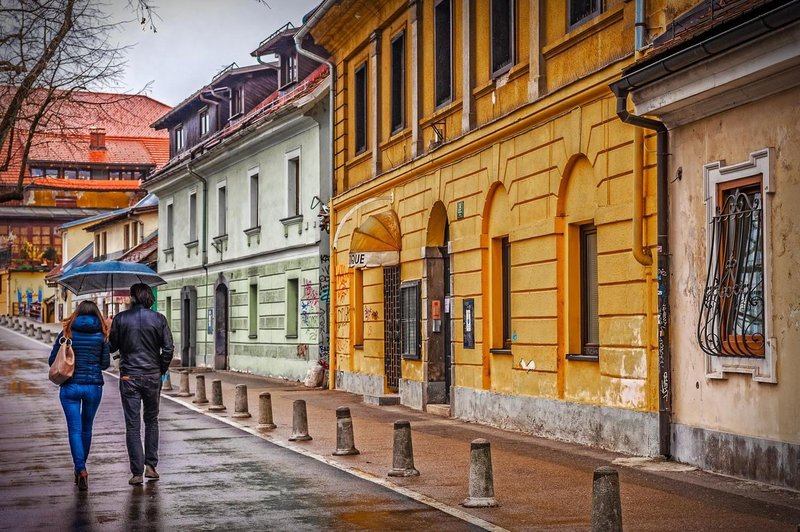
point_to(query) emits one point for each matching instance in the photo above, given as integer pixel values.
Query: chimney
(97, 138)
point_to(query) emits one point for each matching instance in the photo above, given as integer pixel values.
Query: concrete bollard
(606, 507)
(481, 480)
(200, 390)
(299, 422)
(402, 451)
(183, 390)
(345, 442)
(166, 384)
(265, 411)
(240, 403)
(216, 396)
(39, 333)
(31, 330)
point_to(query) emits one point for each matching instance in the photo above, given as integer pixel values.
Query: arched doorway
(438, 331)
(188, 326)
(221, 306)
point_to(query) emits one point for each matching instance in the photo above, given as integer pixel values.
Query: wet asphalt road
(213, 476)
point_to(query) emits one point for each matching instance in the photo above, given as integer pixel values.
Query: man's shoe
(136, 480)
(150, 472)
(83, 481)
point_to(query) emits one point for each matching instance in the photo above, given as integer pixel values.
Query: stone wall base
(410, 393)
(769, 461)
(359, 383)
(616, 429)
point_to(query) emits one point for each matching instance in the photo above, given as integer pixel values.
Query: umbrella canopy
(108, 275)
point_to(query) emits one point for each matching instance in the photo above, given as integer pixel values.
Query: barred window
(732, 311)
(410, 320)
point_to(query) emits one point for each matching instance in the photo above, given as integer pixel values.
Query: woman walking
(80, 395)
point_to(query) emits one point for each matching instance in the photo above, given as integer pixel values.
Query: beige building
(728, 92)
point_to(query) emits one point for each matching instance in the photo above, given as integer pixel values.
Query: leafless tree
(51, 51)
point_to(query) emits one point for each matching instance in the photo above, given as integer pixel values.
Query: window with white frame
(222, 211)
(293, 185)
(193, 217)
(204, 122)
(170, 226)
(254, 217)
(179, 139)
(734, 323)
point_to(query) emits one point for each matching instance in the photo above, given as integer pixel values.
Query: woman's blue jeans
(80, 403)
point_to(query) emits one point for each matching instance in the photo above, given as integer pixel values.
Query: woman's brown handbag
(64, 365)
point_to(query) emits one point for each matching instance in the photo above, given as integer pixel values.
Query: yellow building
(493, 221)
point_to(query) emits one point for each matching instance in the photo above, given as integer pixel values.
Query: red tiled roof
(141, 251)
(86, 184)
(65, 135)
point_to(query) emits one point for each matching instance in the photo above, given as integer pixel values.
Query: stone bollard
(200, 390)
(481, 481)
(240, 403)
(39, 333)
(345, 442)
(403, 451)
(299, 422)
(606, 507)
(30, 330)
(265, 411)
(166, 384)
(216, 396)
(183, 390)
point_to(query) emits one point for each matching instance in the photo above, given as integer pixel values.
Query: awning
(376, 242)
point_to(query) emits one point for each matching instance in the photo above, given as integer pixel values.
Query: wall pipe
(640, 25)
(664, 358)
(298, 40)
(203, 244)
(640, 252)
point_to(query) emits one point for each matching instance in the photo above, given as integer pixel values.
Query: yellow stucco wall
(561, 160)
(11, 281)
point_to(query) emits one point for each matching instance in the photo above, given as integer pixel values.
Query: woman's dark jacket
(91, 351)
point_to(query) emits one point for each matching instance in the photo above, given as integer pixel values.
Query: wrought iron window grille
(731, 319)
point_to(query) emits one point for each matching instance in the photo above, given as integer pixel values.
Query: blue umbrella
(108, 275)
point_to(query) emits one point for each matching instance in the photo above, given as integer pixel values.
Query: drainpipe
(664, 359)
(298, 40)
(640, 24)
(640, 252)
(204, 243)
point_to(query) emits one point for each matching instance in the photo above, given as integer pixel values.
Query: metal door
(391, 325)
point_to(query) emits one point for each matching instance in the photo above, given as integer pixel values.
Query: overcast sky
(195, 39)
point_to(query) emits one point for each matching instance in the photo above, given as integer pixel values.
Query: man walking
(144, 341)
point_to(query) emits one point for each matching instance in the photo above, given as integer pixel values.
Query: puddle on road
(23, 388)
(15, 364)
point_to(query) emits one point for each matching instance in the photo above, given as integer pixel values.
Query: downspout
(640, 24)
(298, 40)
(203, 244)
(664, 358)
(640, 252)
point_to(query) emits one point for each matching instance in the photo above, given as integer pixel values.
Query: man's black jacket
(144, 341)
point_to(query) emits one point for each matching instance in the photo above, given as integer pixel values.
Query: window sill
(291, 337)
(253, 231)
(252, 336)
(191, 245)
(497, 351)
(441, 111)
(583, 358)
(221, 238)
(290, 221)
(358, 158)
(360, 347)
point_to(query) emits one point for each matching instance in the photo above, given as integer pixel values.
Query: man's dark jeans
(138, 390)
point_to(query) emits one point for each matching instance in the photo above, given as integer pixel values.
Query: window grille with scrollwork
(732, 310)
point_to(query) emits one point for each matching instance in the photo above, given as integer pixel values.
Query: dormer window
(97, 138)
(204, 122)
(179, 138)
(237, 101)
(289, 69)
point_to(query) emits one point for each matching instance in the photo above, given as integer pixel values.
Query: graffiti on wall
(324, 297)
